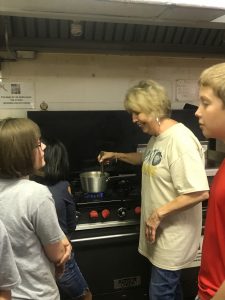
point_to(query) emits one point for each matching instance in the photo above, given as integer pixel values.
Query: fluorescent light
(219, 20)
(192, 3)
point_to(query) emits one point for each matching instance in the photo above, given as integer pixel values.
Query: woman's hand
(134, 158)
(151, 226)
(106, 157)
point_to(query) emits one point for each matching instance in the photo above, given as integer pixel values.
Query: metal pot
(96, 181)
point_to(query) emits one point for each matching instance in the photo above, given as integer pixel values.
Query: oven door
(110, 262)
(112, 266)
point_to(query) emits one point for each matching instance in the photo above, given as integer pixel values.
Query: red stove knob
(137, 210)
(93, 214)
(105, 213)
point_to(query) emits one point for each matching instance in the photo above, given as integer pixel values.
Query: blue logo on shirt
(153, 157)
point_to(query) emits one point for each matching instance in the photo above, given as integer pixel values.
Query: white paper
(186, 90)
(16, 95)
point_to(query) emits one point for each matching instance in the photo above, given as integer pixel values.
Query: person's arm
(134, 158)
(5, 295)
(54, 242)
(220, 294)
(180, 203)
(59, 252)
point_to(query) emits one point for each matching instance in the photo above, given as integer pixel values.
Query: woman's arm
(180, 203)
(134, 158)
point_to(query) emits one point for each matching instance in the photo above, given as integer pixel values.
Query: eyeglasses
(39, 143)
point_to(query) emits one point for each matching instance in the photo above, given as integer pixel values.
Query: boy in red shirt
(211, 115)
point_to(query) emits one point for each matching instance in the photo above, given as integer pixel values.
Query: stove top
(120, 203)
(107, 210)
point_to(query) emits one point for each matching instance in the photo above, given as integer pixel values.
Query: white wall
(99, 82)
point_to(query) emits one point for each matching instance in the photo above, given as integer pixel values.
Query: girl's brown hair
(18, 139)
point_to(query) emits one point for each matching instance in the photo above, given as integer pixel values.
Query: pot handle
(120, 176)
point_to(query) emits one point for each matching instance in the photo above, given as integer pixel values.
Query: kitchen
(93, 74)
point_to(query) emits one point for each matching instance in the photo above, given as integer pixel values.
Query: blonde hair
(149, 97)
(214, 77)
(18, 139)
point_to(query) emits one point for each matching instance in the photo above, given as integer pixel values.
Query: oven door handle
(104, 237)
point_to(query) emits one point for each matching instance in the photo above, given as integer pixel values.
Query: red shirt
(212, 270)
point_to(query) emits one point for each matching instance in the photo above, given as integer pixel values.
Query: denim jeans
(72, 282)
(165, 285)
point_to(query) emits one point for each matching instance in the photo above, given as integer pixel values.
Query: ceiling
(101, 26)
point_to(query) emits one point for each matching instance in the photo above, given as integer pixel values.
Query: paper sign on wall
(16, 95)
(186, 90)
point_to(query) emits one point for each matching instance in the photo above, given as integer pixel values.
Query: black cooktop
(120, 190)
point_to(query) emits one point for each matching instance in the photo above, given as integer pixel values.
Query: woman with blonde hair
(174, 184)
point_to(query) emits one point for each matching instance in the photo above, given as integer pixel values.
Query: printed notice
(186, 90)
(16, 95)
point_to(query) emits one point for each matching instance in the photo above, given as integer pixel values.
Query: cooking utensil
(102, 164)
(96, 181)
(102, 168)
